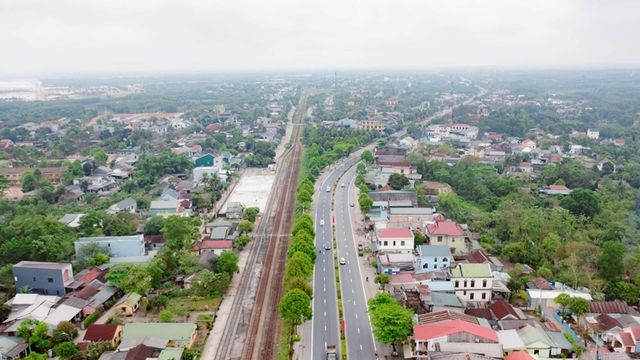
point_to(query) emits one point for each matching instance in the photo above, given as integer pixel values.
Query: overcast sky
(45, 37)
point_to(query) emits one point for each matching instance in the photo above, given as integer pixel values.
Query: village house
(395, 240)
(431, 257)
(473, 282)
(447, 232)
(43, 277)
(128, 304)
(51, 174)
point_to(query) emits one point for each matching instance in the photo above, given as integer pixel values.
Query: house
(164, 207)
(511, 341)
(391, 102)
(127, 205)
(502, 310)
(170, 195)
(51, 174)
(530, 144)
(556, 190)
(448, 233)
(473, 282)
(431, 257)
(72, 220)
(627, 341)
(605, 326)
(128, 304)
(180, 335)
(538, 342)
(208, 227)
(428, 337)
(601, 163)
(479, 257)
(120, 246)
(593, 133)
(397, 240)
(545, 298)
(14, 347)
(43, 277)
(618, 142)
(207, 160)
(6, 144)
(518, 355)
(154, 242)
(111, 333)
(234, 210)
(215, 246)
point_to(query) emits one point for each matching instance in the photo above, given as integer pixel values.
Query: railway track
(264, 327)
(266, 265)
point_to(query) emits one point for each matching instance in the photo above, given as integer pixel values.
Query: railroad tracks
(265, 264)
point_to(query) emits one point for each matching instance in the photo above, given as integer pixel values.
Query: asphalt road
(360, 342)
(325, 329)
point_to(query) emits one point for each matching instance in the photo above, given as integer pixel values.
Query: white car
(342, 185)
(322, 222)
(328, 188)
(343, 261)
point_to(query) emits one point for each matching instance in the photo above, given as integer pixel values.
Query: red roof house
(503, 311)
(217, 246)
(519, 355)
(104, 332)
(454, 331)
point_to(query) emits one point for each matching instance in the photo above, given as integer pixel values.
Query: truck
(332, 352)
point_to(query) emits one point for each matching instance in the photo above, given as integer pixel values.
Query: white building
(593, 133)
(473, 282)
(395, 240)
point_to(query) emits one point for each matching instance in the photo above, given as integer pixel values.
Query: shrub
(165, 316)
(91, 319)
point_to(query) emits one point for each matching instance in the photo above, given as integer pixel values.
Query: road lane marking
(325, 301)
(359, 333)
(360, 344)
(353, 291)
(351, 280)
(356, 314)
(325, 328)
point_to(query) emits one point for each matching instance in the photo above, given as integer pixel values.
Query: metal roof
(179, 333)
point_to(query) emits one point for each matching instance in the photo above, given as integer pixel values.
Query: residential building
(51, 174)
(234, 210)
(72, 220)
(473, 282)
(164, 207)
(210, 171)
(215, 246)
(479, 257)
(43, 277)
(431, 257)
(372, 125)
(14, 347)
(111, 333)
(538, 342)
(502, 310)
(601, 163)
(178, 334)
(128, 304)
(448, 233)
(120, 246)
(593, 133)
(127, 205)
(556, 190)
(207, 160)
(170, 195)
(427, 337)
(396, 240)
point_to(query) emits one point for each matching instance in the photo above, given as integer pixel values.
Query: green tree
(154, 225)
(301, 284)
(35, 356)
(28, 183)
(211, 284)
(35, 332)
(97, 260)
(563, 300)
(180, 232)
(382, 279)
(66, 350)
(245, 226)
(250, 213)
(165, 316)
(242, 241)
(304, 247)
(295, 307)
(367, 157)
(365, 202)
(87, 252)
(159, 302)
(611, 261)
(626, 292)
(4, 185)
(99, 156)
(419, 239)
(299, 265)
(398, 181)
(227, 263)
(582, 202)
(391, 322)
(74, 170)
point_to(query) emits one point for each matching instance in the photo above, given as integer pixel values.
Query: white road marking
(360, 344)
(325, 328)
(351, 280)
(325, 301)
(356, 314)
(359, 333)
(349, 271)
(353, 291)
(325, 313)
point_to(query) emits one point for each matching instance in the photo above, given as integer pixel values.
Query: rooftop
(429, 332)
(471, 271)
(448, 228)
(434, 250)
(101, 332)
(42, 265)
(395, 233)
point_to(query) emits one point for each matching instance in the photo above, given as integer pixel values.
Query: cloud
(41, 36)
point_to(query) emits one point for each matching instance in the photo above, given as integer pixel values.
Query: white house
(593, 133)
(398, 240)
(473, 282)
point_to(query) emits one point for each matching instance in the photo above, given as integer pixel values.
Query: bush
(91, 319)
(165, 316)
(374, 264)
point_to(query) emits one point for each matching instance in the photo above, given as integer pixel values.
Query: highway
(360, 341)
(325, 329)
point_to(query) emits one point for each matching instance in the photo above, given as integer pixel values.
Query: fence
(566, 326)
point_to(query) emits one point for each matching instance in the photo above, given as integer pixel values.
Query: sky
(143, 36)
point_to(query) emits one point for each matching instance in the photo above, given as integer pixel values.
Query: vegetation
(391, 322)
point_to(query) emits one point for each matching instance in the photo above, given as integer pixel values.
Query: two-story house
(127, 205)
(431, 257)
(395, 240)
(430, 338)
(43, 277)
(164, 207)
(120, 246)
(448, 233)
(473, 282)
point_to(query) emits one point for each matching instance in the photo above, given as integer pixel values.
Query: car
(343, 261)
(342, 185)
(351, 204)
(327, 246)
(360, 247)
(360, 253)
(322, 222)
(328, 188)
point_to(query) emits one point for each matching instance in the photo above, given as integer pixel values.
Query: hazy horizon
(136, 38)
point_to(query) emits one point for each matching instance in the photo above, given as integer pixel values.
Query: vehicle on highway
(351, 204)
(327, 246)
(328, 188)
(343, 261)
(342, 185)
(322, 222)
(332, 352)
